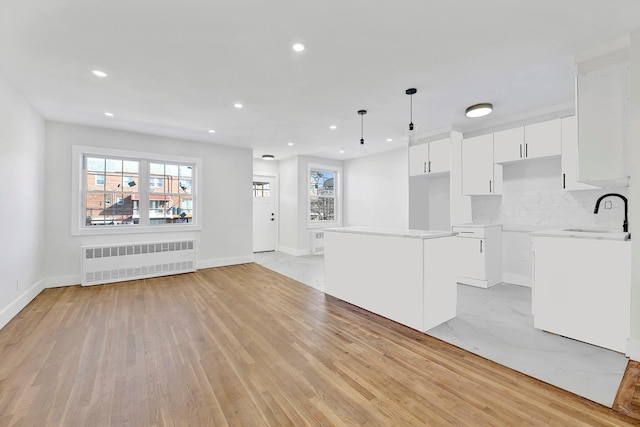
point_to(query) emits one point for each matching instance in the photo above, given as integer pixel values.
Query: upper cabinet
(603, 108)
(430, 158)
(570, 156)
(480, 176)
(529, 142)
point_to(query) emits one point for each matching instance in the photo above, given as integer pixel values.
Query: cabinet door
(418, 159)
(542, 139)
(477, 165)
(570, 156)
(603, 125)
(471, 258)
(508, 145)
(439, 156)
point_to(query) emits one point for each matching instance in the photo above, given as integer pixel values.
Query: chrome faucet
(625, 224)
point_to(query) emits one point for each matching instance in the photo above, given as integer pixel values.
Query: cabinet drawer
(475, 232)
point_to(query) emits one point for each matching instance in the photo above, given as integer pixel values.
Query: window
(133, 191)
(323, 195)
(261, 189)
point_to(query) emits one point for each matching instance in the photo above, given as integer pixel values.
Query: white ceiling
(176, 67)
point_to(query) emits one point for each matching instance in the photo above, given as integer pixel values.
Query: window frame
(78, 199)
(337, 170)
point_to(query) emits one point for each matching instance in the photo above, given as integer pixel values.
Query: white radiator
(317, 242)
(117, 263)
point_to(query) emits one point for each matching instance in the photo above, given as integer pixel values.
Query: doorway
(264, 214)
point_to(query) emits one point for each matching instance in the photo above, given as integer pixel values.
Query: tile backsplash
(533, 199)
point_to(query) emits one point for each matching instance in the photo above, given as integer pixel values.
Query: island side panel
(382, 274)
(440, 287)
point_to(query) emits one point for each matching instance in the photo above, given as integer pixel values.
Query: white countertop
(587, 233)
(475, 225)
(393, 232)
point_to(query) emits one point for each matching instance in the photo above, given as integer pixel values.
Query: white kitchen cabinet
(581, 289)
(480, 176)
(418, 159)
(570, 156)
(603, 109)
(429, 158)
(479, 254)
(508, 145)
(529, 142)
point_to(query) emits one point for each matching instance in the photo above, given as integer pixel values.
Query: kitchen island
(404, 275)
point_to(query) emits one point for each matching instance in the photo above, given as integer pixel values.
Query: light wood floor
(246, 346)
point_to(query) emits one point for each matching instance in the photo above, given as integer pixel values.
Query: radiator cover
(131, 261)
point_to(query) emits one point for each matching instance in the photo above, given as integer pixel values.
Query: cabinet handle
(564, 181)
(489, 186)
(520, 150)
(480, 246)
(526, 150)
(425, 167)
(429, 165)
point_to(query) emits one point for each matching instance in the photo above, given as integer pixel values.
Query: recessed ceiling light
(268, 157)
(289, 144)
(298, 47)
(99, 73)
(333, 127)
(341, 151)
(389, 140)
(212, 131)
(479, 110)
(108, 114)
(237, 105)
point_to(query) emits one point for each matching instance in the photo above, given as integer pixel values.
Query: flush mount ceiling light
(362, 113)
(237, 105)
(268, 157)
(479, 110)
(99, 73)
(298, 47)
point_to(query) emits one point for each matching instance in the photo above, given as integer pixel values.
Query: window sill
(134, 229)
(328, 224)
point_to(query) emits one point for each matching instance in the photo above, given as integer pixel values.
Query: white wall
(226, 235)
(533, 199)
(22, 165)
(288, 221)
(265, 167)
(376, 190)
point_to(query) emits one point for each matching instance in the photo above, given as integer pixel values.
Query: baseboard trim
(294, 252)
(20, 302)
(223, 262)
(517, 279)
(633, 349)
(61, 281)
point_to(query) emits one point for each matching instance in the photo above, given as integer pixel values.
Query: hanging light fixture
(362, 148)
(411, 133)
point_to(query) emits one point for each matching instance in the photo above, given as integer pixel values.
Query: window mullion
(144, 192)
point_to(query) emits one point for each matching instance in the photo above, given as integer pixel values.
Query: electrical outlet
(525, 256)
(608, 204)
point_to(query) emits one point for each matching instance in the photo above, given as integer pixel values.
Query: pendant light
(411, 133)
(362, 148)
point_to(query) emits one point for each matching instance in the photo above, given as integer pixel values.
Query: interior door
(264, 214)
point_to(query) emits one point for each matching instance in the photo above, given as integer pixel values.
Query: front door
(264, 214)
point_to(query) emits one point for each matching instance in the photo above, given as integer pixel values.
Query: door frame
(276, 204)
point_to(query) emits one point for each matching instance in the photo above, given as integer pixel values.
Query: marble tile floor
(497, 324)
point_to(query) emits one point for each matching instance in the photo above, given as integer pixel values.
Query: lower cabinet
(581, 289)
(479, 254)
